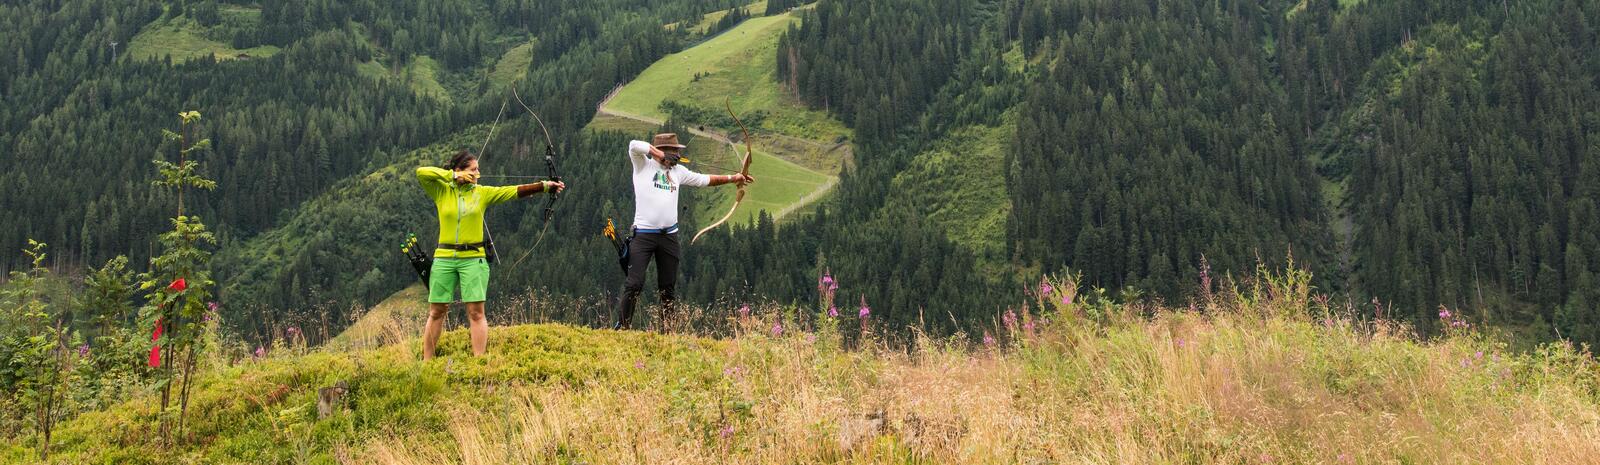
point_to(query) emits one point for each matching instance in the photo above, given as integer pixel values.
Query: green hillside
(798, 151)
(1256, 378)
(738, 64)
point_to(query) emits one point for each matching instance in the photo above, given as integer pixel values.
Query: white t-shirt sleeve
(690, 178)
(638, 153)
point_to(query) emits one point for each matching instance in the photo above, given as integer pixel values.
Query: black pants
(643, 247)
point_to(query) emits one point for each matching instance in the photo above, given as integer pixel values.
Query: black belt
(462, 247)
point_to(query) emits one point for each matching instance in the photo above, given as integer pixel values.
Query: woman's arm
(541, 186)
(499, 194)
(434, 180)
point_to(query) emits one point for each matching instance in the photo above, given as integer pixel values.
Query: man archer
(658, 172)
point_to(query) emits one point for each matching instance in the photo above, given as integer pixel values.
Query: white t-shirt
(655, 188)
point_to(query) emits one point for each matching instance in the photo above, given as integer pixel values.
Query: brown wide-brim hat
(666, 140)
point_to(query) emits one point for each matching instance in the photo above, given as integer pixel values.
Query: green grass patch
(739, 65)
(512, 65)
(182, 39)
(240, 12)
(710, 19)
(423, 77)
(373, 70)
(958, 184)
(266, 412)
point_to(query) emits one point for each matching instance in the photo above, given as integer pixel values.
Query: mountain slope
(798, 151)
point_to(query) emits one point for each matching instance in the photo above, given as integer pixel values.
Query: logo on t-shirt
(663, 183)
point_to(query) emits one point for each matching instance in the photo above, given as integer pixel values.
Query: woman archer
(460, 259)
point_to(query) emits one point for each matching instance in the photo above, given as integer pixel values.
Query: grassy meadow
(1260, 372)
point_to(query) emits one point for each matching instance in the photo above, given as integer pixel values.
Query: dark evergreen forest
(1412, 153)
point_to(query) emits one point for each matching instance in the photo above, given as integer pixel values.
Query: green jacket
(460, 208)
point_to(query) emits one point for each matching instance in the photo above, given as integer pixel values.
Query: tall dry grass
(1262, 372)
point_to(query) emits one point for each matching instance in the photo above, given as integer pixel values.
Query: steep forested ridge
(286, 126)
(1422, 153)
(1414, 153)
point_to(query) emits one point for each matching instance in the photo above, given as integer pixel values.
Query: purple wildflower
(292, 332)
(811, 338)
(1066, 299)
(1010, 319)
(1045, 288)
(261, 352)
(727, 431)
(988, 340)
(833, 312)
(638, 364)
(83, 350)
(865, 310)
(744, 312)
(777, 329)
(212, 306)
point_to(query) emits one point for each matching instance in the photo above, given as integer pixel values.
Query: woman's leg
(478, 326)
(474, 291)
(442, 279)
(430, 333)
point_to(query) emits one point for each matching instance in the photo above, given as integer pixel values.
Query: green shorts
(472, 274)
